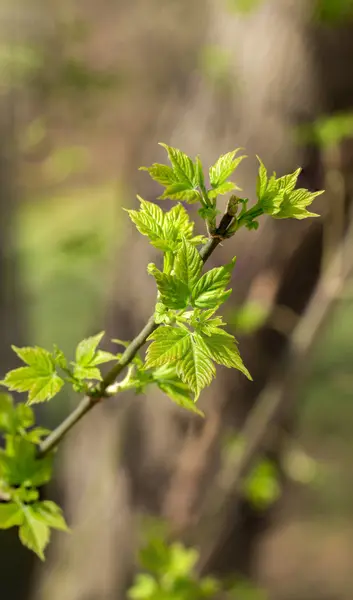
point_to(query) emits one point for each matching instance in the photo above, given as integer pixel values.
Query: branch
(88, 402)
(289, 374)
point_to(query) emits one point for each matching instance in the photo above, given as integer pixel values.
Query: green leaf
(278, 197)
(188, 265)
(34, 534)
(20, 466)
(221, 347)
(294, 205)
(178, 219)
(223, 188)
(199, 175)
(50, 514)
(195, 367)
(145, 587)
(181, 191)
(35, 435)
(209, 291)
(161, 173)
(81, 373)
(224, 167)
(262, 486)
(174, 293)
(86, 349)
(262, 179)
(149, 220)
(39, 379)
(182, 183)
(161, 314)
(168, 345)
(59, 358)
(183, 166)
(88, 357)
(10, 515)
(170, 383)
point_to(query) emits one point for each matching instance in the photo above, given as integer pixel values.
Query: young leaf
(223, 188)
(59, 358)
(188, 264)
(168, 382)
(223, 168)
(294, 205)
(86, 349)
(174, 293)
(222, 348)
(209, 291)
(168, 345)
(183, 166)
(50, 514)
(195, 367)
(39, 378)
(161, 173)
(33, 532)
(88, 357)
(186, 177)
(149, 220)
(19, 465)
(10, 515)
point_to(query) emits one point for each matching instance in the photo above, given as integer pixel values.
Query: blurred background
(87, 90)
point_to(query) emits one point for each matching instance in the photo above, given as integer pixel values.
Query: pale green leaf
(34, 534)
(59, 358)
(174, 293)
(50, 514)
(169, 344)
(10, 515)
(262, 180)
(82, 372)
(161, 173)
(102, 357)
(181, 191)
(199, 175)
(149, 220)
(224, 167)
(170, 383)
(209, 291)
(223, 188)
(195, 367)
(183, 166)
(188, 265)
(86, 349)
(39, 379)
(221, 347)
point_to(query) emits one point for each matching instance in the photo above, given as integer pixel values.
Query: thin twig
(88, 402)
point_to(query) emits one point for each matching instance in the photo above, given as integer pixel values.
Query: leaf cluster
(21, 476)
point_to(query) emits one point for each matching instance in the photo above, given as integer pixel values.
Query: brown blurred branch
(289, 375)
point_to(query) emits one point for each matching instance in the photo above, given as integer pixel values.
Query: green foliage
(262, 486)
(333, 12)
(39, 378)
(88, 358)
(280, 199)
(46, 372)
(21, 474)
(327, 131)
(187, 339)
(170, 575)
